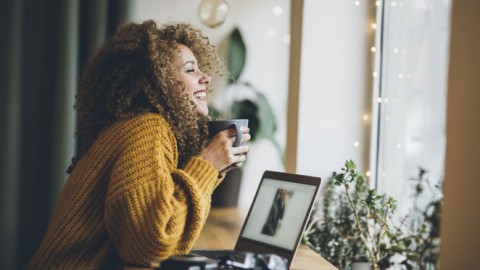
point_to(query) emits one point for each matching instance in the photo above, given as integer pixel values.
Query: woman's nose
(204, 78)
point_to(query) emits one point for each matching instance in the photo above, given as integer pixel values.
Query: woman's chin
(202, 111)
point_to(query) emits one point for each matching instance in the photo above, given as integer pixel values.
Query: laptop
(276, 219)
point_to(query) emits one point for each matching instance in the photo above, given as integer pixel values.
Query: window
(410, 87)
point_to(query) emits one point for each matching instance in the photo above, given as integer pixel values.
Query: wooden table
(221, 232)
(223, 227)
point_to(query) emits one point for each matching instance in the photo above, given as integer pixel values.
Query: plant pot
(361, 266)
(226, 194)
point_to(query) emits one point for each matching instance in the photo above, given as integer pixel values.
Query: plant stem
(383, 229)
(360, 230)
(379, 240)
(375, 251)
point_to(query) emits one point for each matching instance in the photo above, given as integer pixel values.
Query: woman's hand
(220, 151)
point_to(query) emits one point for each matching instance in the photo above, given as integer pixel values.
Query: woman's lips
(201, 94)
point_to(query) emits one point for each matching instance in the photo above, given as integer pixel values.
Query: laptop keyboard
(239, 260)
(213, 254)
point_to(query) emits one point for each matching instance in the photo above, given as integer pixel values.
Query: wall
(334, 87)
(266, 66)
(333, 72)
(460, 220)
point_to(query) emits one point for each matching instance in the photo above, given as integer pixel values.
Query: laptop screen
(278, 212)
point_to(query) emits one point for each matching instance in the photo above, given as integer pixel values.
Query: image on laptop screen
(278, 213)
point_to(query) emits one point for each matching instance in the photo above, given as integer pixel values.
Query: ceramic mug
(215, 126)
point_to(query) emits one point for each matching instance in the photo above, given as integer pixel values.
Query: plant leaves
(236, 54)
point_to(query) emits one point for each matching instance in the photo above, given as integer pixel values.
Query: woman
(275, 215)
(142, 186)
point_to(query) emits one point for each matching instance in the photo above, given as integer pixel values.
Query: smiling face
(193, 78)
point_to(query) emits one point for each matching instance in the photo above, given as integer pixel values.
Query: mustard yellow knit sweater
(126, 202)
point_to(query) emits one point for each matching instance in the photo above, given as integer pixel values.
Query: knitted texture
(126, 202)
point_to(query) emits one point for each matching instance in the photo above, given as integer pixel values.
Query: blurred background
(321, 81)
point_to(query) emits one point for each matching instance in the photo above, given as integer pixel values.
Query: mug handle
(238, 138)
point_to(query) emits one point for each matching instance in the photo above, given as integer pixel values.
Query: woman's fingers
(234, 165)
(231, 134)
(246, 137)
(240, 150)
(246, 134)
(221, 152)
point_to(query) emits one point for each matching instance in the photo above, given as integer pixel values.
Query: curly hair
(133, 72)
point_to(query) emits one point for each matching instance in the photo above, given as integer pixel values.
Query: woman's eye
(190, 70)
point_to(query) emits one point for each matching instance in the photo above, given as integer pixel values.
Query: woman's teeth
(200, 95)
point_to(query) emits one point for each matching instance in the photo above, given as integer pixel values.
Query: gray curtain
(44, 44)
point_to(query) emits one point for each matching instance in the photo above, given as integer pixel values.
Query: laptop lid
(279, 214)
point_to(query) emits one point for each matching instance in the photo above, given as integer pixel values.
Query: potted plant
(356, 227)
(425, 223)
(351, 232)
(241, 99)
(334, 236)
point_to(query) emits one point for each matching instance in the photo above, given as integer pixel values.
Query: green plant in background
(426, 223)
(357, 227)
(255, 107)
(335, 238)
(236, 55)
(341, 237)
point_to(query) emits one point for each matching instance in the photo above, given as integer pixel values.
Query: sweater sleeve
(153, 209)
